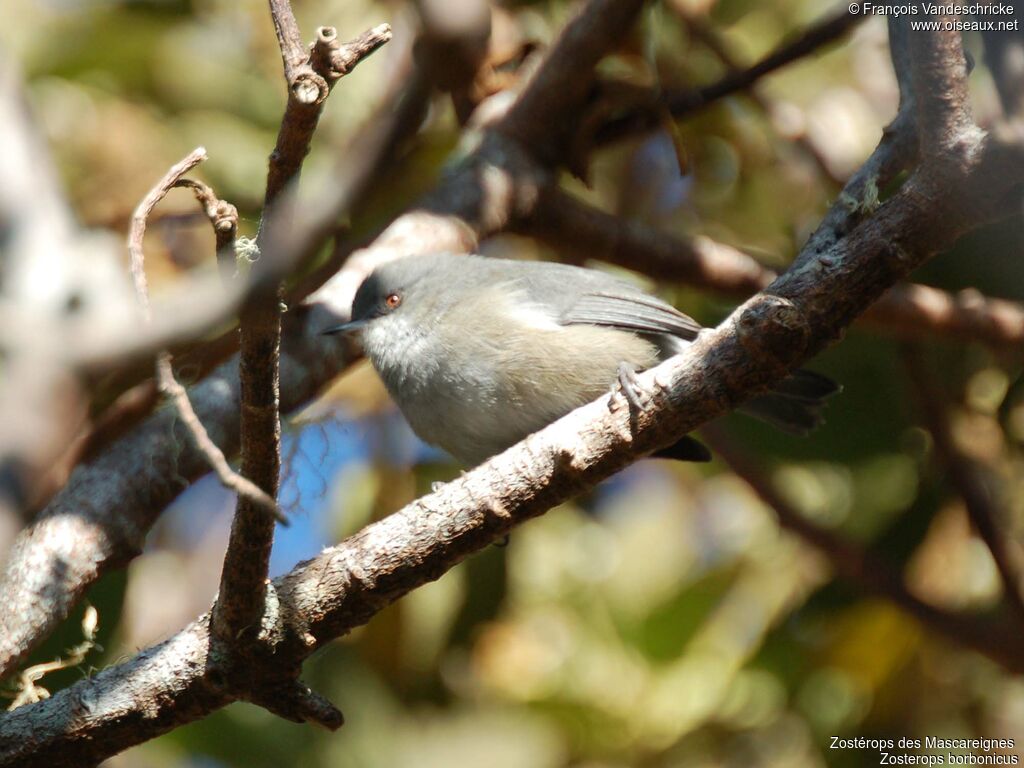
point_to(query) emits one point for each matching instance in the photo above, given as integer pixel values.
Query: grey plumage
(480, 352)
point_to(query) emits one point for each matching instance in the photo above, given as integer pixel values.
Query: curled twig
(164, 372)
(223, 217)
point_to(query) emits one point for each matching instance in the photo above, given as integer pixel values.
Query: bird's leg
(630, 385)
(686, 448)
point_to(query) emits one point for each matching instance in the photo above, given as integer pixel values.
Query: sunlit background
(665, 620)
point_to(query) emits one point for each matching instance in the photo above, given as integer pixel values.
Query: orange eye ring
(393, 300)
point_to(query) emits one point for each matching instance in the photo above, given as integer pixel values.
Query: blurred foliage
(664, 620)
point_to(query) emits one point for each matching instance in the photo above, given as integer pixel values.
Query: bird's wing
(578, 296)
(630, 311)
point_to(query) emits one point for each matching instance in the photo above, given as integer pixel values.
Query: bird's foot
(629, 384)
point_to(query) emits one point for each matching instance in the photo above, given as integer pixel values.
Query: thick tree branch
(452, 47)
(938, 72)
(498, 181)
(343, 587)
(546, 114)
(98, 521)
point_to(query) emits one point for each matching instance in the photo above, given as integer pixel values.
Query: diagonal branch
(99, 520)
(862, 567)
(758, 344)
(967, 478)
(682, 102)
(346, 585)
(546, 113)
(710, 39)
(805, 309)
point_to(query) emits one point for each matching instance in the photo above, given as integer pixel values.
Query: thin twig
(137, 230)
(165, 373)
(710, 39)
(223, 217)
(967, 477)
(230, 479)
(860, 566)
(681, 102)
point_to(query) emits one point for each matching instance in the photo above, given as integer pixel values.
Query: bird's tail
(795, 405)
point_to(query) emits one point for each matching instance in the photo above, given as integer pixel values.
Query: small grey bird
(480, 352)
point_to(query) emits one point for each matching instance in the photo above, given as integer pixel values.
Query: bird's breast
(484, 377)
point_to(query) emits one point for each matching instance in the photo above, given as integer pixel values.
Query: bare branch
(223, 217)
(244, 573)
(861, 567)
(580, 232)
(230, 479)
(334, 60)
(773, 332)
(165, 374)
(289, 39)
(99, 519)
(310, 79)
(547, 112)
(709, 37)
(967, 477)
(759, 343)
(295, 701)
(684, 102)
(500, 179)
(938, 69)
(453, 45)
(137, 231)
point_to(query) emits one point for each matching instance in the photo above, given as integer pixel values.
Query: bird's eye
(392, 300)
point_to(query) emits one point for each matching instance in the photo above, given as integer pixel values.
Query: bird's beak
(350, 327)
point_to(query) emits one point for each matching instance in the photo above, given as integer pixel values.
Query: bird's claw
(630, 386)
